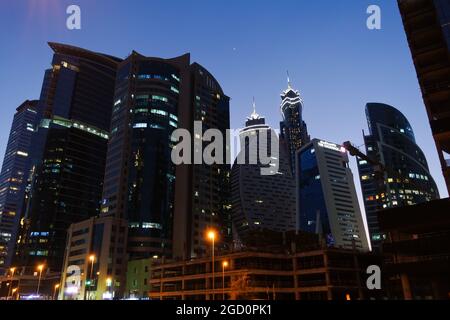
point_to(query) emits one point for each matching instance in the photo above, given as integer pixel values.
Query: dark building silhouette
(69, 152)
(261, 201)
(427, 26)
(405, 179)
(293, 129)
(416, 252)
(13, 177)
(168, 208)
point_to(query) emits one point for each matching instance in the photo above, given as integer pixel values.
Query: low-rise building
(95, 260)
(315, 274)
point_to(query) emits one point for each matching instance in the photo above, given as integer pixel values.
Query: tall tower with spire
(261, 202)
(293, 129)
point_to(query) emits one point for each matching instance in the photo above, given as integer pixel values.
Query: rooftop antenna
(288, 79)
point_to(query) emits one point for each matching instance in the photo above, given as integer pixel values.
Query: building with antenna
(293, 129)
(261, 202)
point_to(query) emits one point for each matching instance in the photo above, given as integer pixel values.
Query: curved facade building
(406, 179)
(261, 201)
(140, 176)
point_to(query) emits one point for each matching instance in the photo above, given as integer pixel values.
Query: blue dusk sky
(336, 62)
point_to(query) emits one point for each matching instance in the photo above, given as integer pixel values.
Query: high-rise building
(150, 96)
(404, 179)
(13, 177)
(293, 129)
(327, 201)
(261, 201)
(427, 26)
(203, 191)
(69, 152)
(167, 207)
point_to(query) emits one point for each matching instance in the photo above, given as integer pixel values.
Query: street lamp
(14, 291)
(10, 286)
(212, 235)
(109, 286)
(54, 291)
(40, 268)
(224, 265)
(92, 260)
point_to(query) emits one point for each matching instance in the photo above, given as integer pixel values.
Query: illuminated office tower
(293, 129)
(327, 201)
(68, 153)
(168, 207)
(405, 179)
(13, 177)
(260, 201)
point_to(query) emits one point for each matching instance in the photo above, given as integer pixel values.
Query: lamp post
(212, 234)
(14, 291)
(224, 265)
(92, 260)
(109, 286)
(54, 291)
(11, 283)
(40, 268)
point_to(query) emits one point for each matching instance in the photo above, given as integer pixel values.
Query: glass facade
(13, 177)
(405, 178)
(69, 152)
(140, 176)
(312, 207)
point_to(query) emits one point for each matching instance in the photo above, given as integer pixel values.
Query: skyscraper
(405, 178)
(293, 129)
(202, 198)
(13, 177)
(259, 201)
(168, 207)
(327, 201)
(150, 97)
(69, 151)
(427, 26)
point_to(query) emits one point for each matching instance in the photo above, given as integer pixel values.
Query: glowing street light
(212, 235)
(12, 270)
(224, 265)
(92, 260)
(14, 291)
(54, 291)
(40, 268)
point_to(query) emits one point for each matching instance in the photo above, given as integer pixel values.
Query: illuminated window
(139, 125)
(160, 112)
(160, 98)
(22, 153)
(174, 89)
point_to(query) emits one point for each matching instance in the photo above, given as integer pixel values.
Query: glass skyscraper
(13, 177)
(427, 27)
(168, 207)
(404, 179)
(293, 129)
(327, 201)
(68, 153)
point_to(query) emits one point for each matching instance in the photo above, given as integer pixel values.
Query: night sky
(334, 60)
